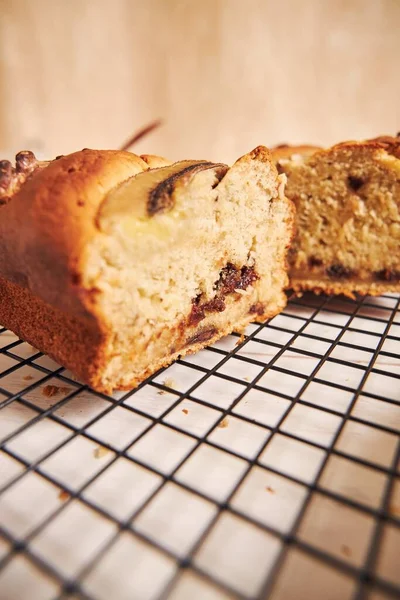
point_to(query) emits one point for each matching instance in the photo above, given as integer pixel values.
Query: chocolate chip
(203, 335)
(257, 309)
(338, 271)
(387, 275)
(355, 183)
(232, 278)
(279, 168)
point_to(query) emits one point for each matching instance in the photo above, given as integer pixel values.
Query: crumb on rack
(394, 509)
(63, 495)
(170, 383)
(346, 550)
(241, 339)
(161, 392)
(100, 451)
(51, 390)
(270, 489)
(247, 378)
(185, 410)
(28, 378)
(224, 423)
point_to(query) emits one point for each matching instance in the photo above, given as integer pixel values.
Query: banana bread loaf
(115, 264)
(348, 216)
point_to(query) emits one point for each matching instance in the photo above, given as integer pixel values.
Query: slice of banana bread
(348, 216)
(115, 264)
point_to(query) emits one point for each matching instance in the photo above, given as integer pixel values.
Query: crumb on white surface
(169, 382)
(100, 451)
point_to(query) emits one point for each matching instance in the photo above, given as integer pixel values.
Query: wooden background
(224, 75)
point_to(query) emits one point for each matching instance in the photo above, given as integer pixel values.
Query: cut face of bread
(119, 268)
(348, 216)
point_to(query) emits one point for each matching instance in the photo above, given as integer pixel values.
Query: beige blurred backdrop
(224, 75)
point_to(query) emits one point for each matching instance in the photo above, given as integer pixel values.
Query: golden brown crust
(287, 151)
(155, 162)
(54, 213)
(385, 142)
(76, 342)
(350, 288)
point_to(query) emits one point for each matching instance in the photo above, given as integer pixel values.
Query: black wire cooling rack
(262, 467)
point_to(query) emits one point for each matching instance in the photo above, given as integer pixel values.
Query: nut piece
(13, 178)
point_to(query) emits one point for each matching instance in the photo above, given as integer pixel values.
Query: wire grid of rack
(263, 467)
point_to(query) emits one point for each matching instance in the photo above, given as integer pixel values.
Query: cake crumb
(28, 378)
(185, 410)
(224, 423)
(50, 390)
(346, 550)
(63, 495)
(161, 392)
(241, 339)
(247, 378)
(394, 509)
(270, 489)
(170, 383)
(100, 451)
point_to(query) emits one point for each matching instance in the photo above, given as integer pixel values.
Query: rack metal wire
(263, 467)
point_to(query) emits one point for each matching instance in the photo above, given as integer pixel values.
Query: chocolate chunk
(247, 277)
(338, 271)
(314, 262)
(198, 312)
(215, 305)
(257, 309)
(232, 278)
(279, 168)
(387, 275)
(355, 182)
(202, 336)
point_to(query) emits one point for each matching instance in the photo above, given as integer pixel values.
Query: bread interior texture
(347, 218)
(203, 255)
